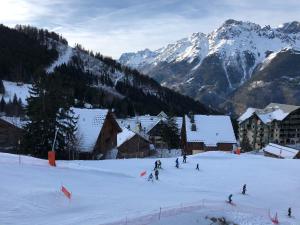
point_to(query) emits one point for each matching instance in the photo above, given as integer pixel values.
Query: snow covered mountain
(213, 66)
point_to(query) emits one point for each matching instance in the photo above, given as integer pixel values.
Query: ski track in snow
(63, 58)
(106, 192)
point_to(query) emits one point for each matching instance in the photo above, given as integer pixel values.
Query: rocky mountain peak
(290, 28)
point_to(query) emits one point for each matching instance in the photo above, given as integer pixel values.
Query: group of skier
(244, 189)
(157, 166)
(183, 160)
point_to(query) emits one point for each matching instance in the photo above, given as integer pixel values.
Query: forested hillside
(28, 53)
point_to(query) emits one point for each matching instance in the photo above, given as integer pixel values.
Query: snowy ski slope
(109, 191)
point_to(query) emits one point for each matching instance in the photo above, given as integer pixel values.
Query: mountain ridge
(209, 67)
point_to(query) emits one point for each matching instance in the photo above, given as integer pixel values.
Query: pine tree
(48, 110)
(2, 89)
(170, 133)
(2, 104)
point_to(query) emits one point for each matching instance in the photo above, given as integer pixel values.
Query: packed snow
(113, 192)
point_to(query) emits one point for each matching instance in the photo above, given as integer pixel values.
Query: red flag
(275, 219)
(143, 173)
(66, 192)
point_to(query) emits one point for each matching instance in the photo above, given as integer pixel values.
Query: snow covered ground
(12, 88)
(112, 191)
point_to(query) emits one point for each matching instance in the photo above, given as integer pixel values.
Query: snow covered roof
(249, 112)
(123, 136)
(16, 121)
(271, 112)
(126, 135)
(147, 123)
(210, 130)
(281, 151)
(89, 125)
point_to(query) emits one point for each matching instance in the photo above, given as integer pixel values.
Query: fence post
(159, 215)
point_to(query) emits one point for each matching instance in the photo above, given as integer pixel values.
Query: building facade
(276, 123)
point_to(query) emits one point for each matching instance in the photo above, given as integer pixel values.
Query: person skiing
(230, 199)
(155, 165)
(197, 167)
(244, 189)
(159, 164)
(156, 174)
(290, 212)
(177, 163)
(150, 178)
(184, 158)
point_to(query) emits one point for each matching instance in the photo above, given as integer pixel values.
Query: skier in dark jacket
(155, 165)
(230, 198)
(156, 174)
(150, 178)
(197, 167)
(158, 164)
(290, 212)
(184, 158)
(177, 163)
(244, 189)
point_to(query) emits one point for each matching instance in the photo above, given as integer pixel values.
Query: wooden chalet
(150, 126)
(201, 133)
(132, 145)
(10, 133)
(97, 132)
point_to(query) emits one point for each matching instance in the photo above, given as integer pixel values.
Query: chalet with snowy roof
(11, 131)
(151, 126)
(276, 123)
(132, 145)
(206, 133)
(281, 152)
(97, 131)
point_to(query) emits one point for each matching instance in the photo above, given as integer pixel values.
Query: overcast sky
(116, 26)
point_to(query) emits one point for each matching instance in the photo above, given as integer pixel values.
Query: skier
(197, 167)
(184, 158)
(177, 163)
(156, 174)
(155, 165)
(159, 164)
(244, 189)
(290, 212)
(150, 178)
(230, 199)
